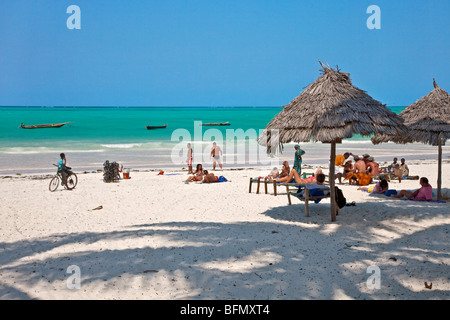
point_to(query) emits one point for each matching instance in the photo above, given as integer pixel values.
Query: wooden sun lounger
(306, 196)
(258, 182)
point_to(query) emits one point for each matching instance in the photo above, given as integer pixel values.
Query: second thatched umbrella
(427, 121)
(329, 110)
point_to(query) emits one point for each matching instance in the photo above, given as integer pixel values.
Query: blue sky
(216, 53)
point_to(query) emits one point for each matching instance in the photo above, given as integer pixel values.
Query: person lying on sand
(380, 187)
(425, 193)
(211, 178)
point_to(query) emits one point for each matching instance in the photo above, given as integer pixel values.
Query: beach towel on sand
(394, 192)
(362, 178)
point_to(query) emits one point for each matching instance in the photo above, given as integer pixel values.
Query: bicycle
(72, 180)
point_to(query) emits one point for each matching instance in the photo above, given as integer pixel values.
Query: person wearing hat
(298, 159)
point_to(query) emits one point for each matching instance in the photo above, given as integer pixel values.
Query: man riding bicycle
(64, 170)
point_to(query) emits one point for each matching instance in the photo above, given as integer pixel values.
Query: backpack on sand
(340, 199)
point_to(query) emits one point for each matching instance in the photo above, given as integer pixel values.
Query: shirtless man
(372, 167)
(359, 167)
(210, 178)
(216, 152)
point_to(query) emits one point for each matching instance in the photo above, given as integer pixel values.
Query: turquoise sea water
(99, 128)
(97, 134)
(121, 127)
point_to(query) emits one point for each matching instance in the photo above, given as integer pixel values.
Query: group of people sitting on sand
(361, 172)
(201, 175)
(424, 193)
(397, 170)
(365, 168)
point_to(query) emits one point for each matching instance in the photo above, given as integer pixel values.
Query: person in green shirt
(298, 159)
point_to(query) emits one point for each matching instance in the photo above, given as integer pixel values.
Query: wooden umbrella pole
(439, 179)
(331, 176)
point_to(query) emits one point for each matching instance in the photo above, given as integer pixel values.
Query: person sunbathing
(211, 178)
(380, 187)
(294, 176)
(274, 174)
(425, 193)
(198, 170)
(198, 174)
(315, 189)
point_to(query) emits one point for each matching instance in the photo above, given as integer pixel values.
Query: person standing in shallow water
(298, 159)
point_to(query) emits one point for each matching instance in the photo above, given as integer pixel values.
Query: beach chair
(275, 185)
(258, 183)
(306, 197)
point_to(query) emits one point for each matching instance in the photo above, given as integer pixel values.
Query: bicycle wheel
(72, 181)
(54, 183)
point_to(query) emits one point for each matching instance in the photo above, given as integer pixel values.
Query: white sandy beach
(159, 238)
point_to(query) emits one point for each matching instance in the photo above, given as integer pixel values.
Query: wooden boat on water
(216, 124)
(39, 126)
(156, 127)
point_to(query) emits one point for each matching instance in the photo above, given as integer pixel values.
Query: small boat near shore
(156, 127)
(216, 124)
(39, 126)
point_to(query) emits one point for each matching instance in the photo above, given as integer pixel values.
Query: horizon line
(203, 106)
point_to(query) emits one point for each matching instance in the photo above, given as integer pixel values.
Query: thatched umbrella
(427, 121)
(329, 110)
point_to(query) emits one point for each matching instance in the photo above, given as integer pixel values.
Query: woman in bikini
(197, 175)
(296, 177)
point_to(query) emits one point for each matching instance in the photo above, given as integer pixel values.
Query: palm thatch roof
(328, 110)
(427, 120)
